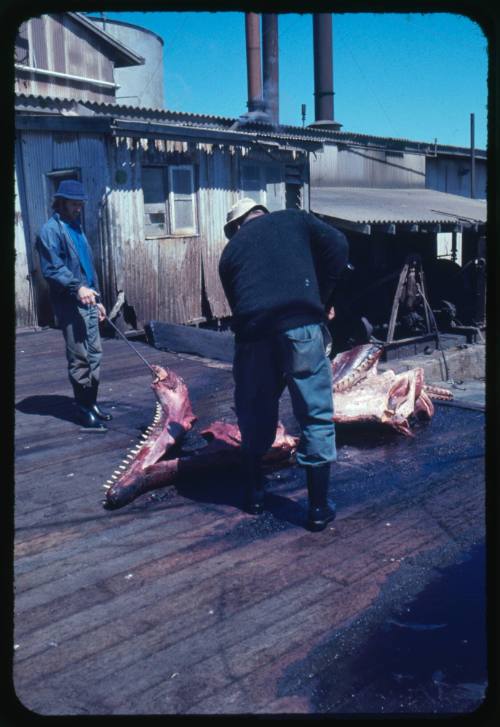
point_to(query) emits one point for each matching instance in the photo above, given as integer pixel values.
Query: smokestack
(323, 72)
(270, 65)
(254, 71)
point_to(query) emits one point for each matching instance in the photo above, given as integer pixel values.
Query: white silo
(139, 85)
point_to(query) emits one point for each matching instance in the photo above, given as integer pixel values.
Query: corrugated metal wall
(161, 277)
(453, 176)
(25, 313)
(218, 192)
(366, 168)
(38, 153)
(57, 43)
(170, 278)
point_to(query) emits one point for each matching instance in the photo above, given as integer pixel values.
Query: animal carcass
(360, 395)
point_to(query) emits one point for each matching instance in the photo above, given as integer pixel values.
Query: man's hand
(86, 295)
(101, 310)
(331, 314)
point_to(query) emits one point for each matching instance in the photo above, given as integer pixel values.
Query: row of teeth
(133, 452)
(347, 382)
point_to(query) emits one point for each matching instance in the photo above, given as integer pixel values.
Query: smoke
(271, 98)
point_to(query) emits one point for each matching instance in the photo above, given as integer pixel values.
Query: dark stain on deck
(180, 603)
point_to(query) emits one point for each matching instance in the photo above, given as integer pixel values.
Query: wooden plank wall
(37, 154)
(35, 162)
(25, 313)
(218, 192)
(161, 277)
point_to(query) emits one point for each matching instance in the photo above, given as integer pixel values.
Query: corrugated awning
(361, 207)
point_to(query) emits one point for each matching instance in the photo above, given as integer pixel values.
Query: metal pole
(254, 69)
(323, 66)
(131, 346)
(128, 342)
(472, 159)
(270, 66)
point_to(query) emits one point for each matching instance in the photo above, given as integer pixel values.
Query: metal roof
(368, 206)
(124, 56)
(45, 104)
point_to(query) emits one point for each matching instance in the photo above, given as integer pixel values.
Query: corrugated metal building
(64, 55)
(159, 193)
(161, 183)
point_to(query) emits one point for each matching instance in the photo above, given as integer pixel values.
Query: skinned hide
(360, 395)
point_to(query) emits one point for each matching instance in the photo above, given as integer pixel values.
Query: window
(155, 213)
(263, 183)
(182, 200)
(169, 200)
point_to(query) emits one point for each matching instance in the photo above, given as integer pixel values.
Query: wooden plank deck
(181, 603)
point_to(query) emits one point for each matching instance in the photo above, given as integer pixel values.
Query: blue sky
(406, 75)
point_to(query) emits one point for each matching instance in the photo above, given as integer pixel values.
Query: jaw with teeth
(173, 417)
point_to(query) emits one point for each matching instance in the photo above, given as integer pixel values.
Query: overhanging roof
(123, 55)
(359, 208)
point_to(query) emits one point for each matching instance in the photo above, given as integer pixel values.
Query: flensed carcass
(360, 395)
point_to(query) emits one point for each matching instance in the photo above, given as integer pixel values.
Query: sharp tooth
(106, 487)
(121, 467)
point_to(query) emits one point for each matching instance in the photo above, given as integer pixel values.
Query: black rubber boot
(95, 409)
(254, 480)
(84, 398)
(321, 510)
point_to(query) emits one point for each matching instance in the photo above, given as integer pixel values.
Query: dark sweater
(279, 271)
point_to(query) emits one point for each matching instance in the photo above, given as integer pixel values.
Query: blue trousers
(295, 358)
(80, 327)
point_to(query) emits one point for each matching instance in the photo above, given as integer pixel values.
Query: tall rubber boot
(84, 397)
(95, 409)
(254, 483)
(321, 510)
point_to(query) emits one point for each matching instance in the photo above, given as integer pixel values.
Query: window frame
(183, 231)
(168, 205)
(155, 207)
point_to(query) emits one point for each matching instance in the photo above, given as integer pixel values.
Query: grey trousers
(80, 327)
(295, 358)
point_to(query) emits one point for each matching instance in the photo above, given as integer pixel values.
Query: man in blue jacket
(279, 271)
(67, 264)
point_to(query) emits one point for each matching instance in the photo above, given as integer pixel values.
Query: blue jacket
(60, 263)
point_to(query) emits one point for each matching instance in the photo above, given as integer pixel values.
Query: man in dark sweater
(279, 271)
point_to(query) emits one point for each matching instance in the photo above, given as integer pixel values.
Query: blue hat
(71, 189)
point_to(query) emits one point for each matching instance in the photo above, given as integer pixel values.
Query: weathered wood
(181, 602)
(218, 345)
